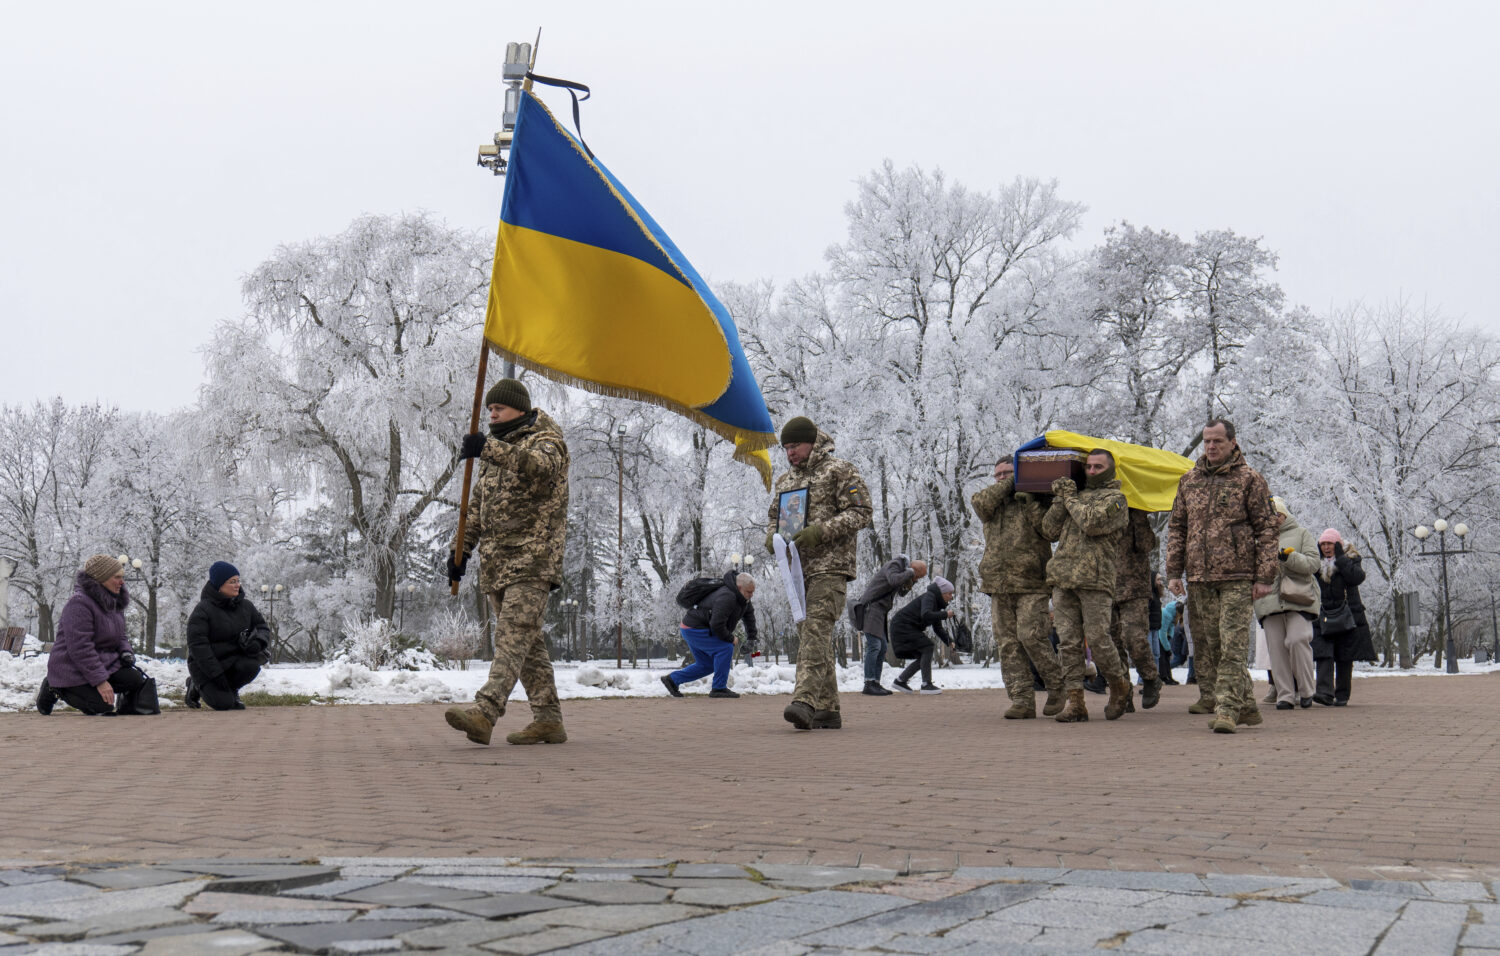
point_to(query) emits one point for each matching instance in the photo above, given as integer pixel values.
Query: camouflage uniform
(837, 501)
(518, 513)
(1013, 572)
(1130, 623)
(1222, 538)
(1085, 524)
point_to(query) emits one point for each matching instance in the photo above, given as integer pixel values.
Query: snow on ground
(341, 682)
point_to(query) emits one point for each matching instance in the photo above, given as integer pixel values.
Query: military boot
(472, 721)
(539, 732)
(799, 715)
(1054, 706)
(1151, 693)
(1021, 710)
(1120, 692)
(1204, 705)
(1222, 723)
(1250, 717)
(1074, 711)
(827, 720)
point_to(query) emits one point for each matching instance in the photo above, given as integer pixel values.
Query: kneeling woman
(226, 641)
(91, 663)
(909, 640)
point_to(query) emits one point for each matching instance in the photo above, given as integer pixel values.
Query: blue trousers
(874, 656)
(710, 655)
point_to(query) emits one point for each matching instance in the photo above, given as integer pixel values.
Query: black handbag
(1339, 620)
(143, 701)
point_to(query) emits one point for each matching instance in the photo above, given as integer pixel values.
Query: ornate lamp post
(620, 548)
(1442, 552)
(134, 564)
(271, 594)
(570, 620)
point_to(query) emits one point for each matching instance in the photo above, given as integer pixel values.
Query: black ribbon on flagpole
(573, 90)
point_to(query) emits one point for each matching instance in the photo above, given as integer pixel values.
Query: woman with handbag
(91, 667)
(1287, 613)
(1343, 632)
(227, 641)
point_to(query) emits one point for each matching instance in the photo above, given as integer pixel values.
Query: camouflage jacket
(1133, 564)
(1086, 525)
(518, 510)
(1223, 527)
(1016, 551)
(837, 499)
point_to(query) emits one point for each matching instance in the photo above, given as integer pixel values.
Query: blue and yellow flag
(1148, 476)
(588, 290)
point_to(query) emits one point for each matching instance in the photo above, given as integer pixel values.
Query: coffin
(1037, 469)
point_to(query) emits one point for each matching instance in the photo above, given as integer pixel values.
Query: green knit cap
(510, 393)
(797, 430)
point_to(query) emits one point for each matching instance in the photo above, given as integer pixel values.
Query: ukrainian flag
(588, 290)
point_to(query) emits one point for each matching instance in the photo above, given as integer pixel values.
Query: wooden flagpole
(484, 361)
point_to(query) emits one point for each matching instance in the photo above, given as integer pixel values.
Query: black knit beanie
(799, 429)
(510, 393)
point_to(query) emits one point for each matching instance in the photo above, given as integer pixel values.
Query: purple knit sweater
(90, 637)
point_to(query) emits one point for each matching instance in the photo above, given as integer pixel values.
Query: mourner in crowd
(1344, 633)
(708, 629)
(227, 642)
(909, 637)
(869, 613)
(1288, 612)
(1221, 552)
(91, 667)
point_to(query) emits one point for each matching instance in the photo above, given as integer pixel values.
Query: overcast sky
(151, 153)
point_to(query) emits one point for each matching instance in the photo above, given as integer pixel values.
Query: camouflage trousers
(520, 653)
(1020, 623)
(1081, 615)
(1219, 614)
(817, 683)
(1129, 629)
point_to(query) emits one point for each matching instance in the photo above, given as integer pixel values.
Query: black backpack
(697, 590)
(963, 639)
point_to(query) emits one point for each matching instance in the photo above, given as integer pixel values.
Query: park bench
(12, 639)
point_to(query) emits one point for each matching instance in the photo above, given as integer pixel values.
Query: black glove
(456, 570)
(1284, 553)
(472, 446)
(127, 659)
(1338, 549)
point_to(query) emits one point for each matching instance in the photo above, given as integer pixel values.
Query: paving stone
(551, 872)
(859, 904)
(781, 948)
(729, 933)
(223, 943)
(857, 935)
(409, 893)
(323, 936)
(365, 946)
(275, 879)
(23, 877)
(1038, 874)
(9, 939)
(1222, 884)
(585, 873)
(620, 919)
(281, 917)
(1486, 935)
(507, 904)
(584, 864)
(1072, 914)
(1356, 900)
(700, 871)
(75, 949)
(613, 893)
(144, 935)
(1418, 937)
(486, 884)
(1393, 887)
(15, 899)
(428, 913)
(97, 903)
(234, 865)
(994, 932)
(746, 892)
(1459, 890)
(131, 877)
(1337, 930)
(7, 921)
(1107, 895)
(206, 904)
(706, 883)
(936, 916)
(548, 939)
(1132, 880)
(820, 877)
(463, 933)
(1434, 911)
(1164, 942)
(108, 923)
(412, 862)
(334, 888)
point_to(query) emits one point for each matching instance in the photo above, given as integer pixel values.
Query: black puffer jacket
(910, 624)
(1341, 586)
(722, 610)
(221, 629)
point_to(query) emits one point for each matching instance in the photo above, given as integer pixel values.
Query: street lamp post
(620, 548)
(1442, 552)
(134, 564)
(271, 594)
(570, 619)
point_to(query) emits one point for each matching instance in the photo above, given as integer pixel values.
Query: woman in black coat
(1341, 637)
(227, 640)
(909, 640)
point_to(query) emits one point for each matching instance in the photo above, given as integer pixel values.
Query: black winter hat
(799, 429)
(509, 392)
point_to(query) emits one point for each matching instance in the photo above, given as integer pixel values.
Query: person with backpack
(714, 607)
(909, 637)
(869, 613)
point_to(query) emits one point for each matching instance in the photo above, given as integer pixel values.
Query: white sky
(153, 153)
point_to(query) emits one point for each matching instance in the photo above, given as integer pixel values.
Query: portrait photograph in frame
(792, 510)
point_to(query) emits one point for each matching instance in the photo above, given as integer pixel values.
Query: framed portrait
(792, 508)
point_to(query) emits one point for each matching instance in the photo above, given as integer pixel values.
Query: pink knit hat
(1330, 537)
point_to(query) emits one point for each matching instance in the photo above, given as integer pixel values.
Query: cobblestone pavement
(482, 906)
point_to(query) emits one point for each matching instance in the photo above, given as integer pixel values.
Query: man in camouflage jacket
(1222, 540)
(1013, 572)
(517, 520)
(1129, 627)
(1086, 525)
(838, 505)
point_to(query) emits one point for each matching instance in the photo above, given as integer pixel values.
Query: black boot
(45, 699)
(190, 695)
